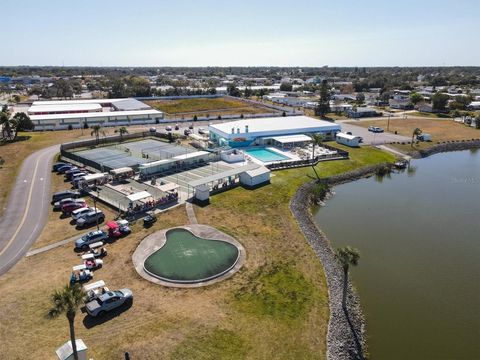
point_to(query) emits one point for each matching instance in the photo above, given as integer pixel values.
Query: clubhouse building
(269, 131)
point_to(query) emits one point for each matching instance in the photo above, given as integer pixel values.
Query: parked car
(201, 131)
(186, 132)
(91, 218)
(149, 220)
(64, 194)
(78, 213)
(77, 176)
(69, 207)
(58, 165)
(62, 169)
(59, 204)
(90, 238)
(190, 126)
(375, 129)
(424, 137)
(152, 130)
(108, 301)
(69, 174)
(168, 128)
(177, 127)
(117, 229)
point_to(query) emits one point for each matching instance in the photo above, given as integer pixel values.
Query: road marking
(29, 199)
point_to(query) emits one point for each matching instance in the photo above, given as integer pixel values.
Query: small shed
(202, 194)
(349, 140)
(255, 177)
(65, 352)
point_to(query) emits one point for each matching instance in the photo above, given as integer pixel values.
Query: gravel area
(447, 146)
(346, 338)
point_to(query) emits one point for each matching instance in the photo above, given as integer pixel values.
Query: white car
(168, 128)
(77, 214)
(108, 301)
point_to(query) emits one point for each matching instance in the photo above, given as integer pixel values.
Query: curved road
(27, 209)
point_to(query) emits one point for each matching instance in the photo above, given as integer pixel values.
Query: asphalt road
(27, 209)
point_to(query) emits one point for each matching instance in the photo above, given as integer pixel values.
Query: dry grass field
(207, 106)
(440, 129)
(275, 307)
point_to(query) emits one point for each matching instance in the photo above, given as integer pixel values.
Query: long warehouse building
(61, 115)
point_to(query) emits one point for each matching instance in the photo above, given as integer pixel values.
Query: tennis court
(110, 158)
(156, 150)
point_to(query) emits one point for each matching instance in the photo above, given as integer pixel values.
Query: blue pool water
(266, 155)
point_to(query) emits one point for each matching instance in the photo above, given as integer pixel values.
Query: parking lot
(371, 137)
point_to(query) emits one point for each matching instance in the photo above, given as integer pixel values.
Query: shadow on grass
(91, 321)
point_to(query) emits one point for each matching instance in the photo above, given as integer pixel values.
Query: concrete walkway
(395, 152)
(192, 218)
(53, 246)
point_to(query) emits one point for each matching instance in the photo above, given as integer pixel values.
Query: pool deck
(155, 241)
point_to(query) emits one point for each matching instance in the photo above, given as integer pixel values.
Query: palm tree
(122, 131)
(416, 132)
(346, 256)
(96, 130)
(317, 140)
(67, 301)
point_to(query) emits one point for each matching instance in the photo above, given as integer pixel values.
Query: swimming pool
(266, 155)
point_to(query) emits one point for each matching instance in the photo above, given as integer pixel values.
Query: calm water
(419, 273)
(189, 258)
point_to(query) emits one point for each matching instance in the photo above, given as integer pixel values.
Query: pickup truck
(108, 301)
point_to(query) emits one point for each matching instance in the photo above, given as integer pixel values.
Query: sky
(240, 33)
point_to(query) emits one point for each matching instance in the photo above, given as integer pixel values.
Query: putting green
(188, 258)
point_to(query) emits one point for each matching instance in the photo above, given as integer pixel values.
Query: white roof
(347, 136)
(121, 170)
(259, 171)
(292, 138)
(92, 177)
(84, 101)
(168, 187)
(190, 155)
(95, 285)
(64, 108)
(65, 351)
(95, 115)
(273, 126)
(139, 195)
(154, 163)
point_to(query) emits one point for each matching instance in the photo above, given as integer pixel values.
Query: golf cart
(80, 274)
(91, 263)
(94, 290)
(118, 228)
(97, 249)
(149, 220)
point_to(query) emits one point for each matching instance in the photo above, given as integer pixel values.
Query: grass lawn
(429, 115)
(440, 129)
(59, 228)
(276, 306)
(204, 106)
(15, 153)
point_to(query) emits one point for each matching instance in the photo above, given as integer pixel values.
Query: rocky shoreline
(446, 147)
(346, 337)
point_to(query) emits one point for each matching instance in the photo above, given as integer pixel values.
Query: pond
(186, 258)
(418, 233)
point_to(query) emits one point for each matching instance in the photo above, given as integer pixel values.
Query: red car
(69, 207)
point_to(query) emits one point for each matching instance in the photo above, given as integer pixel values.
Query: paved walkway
(395, 152)
(192, 218)
(53, 246)
(27, 210)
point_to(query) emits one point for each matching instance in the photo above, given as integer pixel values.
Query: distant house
(360, 112)
(401, 100)
(425, 107)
